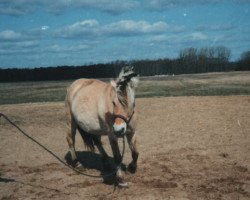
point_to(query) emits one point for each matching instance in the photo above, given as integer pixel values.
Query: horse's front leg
(118, 159)
(104, 155)
(131, 137)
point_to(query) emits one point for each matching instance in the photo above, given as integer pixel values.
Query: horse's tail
(88, 139)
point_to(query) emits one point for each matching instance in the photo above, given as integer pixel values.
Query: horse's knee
(135, 155)
(133, 165)
(118, 159)
(116, 152)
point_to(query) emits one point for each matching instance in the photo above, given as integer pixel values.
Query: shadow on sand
(5, 180)
(91, 160)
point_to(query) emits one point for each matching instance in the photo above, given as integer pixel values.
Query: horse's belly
(91, 125)
(87, 112)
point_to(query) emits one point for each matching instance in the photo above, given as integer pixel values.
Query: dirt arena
(190, 148)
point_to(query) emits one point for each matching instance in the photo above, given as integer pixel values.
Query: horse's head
(124, 100)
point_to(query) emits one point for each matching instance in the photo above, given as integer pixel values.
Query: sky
(43, 33)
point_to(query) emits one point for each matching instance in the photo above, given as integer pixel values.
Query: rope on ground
(58, 158)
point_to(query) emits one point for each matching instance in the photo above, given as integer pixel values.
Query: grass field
(209, 84)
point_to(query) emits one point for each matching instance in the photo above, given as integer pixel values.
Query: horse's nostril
(120, 133)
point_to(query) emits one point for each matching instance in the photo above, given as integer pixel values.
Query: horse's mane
(126, 82)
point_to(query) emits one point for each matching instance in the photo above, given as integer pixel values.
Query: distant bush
(244, 62)
(190, 60)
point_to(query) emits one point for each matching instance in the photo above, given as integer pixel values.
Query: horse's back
(80, 85)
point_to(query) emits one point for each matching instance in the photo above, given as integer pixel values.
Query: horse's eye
(113, 103)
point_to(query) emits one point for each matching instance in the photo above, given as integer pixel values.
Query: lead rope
(59, 159)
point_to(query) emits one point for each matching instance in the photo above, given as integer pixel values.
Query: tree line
(190, 60)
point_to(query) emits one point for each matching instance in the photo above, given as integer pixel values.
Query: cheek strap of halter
(126, 120)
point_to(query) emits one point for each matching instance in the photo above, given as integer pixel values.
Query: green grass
(211, 84)
(193, 90)
(27, 92)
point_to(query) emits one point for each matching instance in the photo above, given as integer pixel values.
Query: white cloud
(79, 29)
(9, 35)
(198, 36)
(92, 28)
(111, 6)
(26, 35)
(190, 38)
(130, 27)
(44, 28)
(19, 47)
(17, 7)
(19, 42)
(215, 27)
(160, 5)
(22, 7)
(85, 25)
(159, 38)
(56, 48)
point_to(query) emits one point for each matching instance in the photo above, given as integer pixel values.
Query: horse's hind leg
(131, 137)
(71, 139)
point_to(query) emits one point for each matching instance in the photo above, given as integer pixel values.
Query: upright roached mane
(96, 108)
(126, 77)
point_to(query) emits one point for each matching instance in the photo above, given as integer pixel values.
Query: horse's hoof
(132, 168)
(122, 184)
(78, 165)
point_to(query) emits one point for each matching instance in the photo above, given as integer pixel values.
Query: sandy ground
(190, 148)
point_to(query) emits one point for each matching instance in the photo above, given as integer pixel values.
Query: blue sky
(41, 33)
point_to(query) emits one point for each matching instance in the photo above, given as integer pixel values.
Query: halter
(126, 120)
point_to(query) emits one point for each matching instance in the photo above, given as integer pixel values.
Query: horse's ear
(113, 83)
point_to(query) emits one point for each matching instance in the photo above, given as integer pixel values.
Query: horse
(96, 108)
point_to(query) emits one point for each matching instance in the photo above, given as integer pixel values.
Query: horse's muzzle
(120, 133)
(119, 129)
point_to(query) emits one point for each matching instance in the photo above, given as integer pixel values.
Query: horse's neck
(109, 96)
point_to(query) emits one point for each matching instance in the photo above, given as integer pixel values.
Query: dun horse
(95, 108)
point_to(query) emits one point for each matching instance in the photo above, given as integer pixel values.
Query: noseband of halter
(126, 120)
